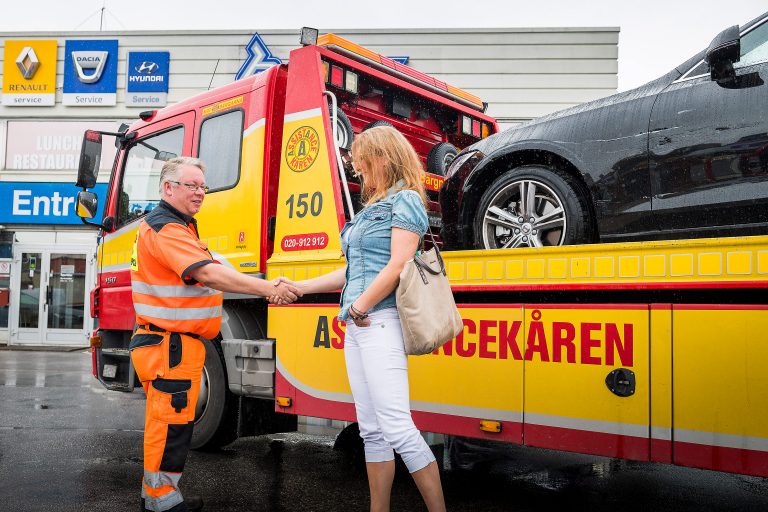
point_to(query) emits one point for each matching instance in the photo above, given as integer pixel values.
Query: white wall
(522, 73)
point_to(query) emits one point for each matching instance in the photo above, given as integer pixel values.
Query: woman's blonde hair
(399, 162)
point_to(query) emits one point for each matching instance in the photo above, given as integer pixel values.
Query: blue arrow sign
(259, 58)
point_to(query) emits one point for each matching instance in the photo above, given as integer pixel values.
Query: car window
(754, 46)
(702, 68)
(140, 190)
(220, 156)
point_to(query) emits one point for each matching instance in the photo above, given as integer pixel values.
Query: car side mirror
(723, 51)
(90, 157)
(87, 204)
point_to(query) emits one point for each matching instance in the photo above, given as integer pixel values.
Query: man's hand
(285, 291)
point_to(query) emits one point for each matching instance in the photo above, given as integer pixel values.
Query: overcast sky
(656, 35)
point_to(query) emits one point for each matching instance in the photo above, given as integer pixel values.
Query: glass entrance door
(29, 291)
(65, 293)
(49, 304)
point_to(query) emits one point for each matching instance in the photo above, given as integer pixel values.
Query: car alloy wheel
(524, 213)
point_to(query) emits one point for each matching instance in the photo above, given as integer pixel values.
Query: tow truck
(650, 351)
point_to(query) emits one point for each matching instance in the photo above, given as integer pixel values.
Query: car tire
(217, 407)
(440, 157)
(561, 215)
(374, 124)
(345, 134)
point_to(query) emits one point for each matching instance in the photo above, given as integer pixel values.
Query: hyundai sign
(90, 73)
(43, 203)
(147, 82)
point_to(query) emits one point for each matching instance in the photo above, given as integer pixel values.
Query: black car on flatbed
(683, 156)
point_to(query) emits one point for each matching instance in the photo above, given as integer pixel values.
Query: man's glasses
(192, 187)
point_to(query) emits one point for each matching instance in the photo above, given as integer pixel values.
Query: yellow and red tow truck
(650, 351)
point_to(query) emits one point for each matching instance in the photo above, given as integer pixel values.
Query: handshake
(284, 291)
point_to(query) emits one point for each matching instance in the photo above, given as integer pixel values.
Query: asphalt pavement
(66, 444)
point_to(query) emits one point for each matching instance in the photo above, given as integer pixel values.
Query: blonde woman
(382, 237)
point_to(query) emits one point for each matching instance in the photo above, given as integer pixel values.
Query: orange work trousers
(169, 366)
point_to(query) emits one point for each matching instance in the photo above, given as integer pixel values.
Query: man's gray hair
(172, 168)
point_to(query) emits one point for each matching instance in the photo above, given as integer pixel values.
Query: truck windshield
(140, 187)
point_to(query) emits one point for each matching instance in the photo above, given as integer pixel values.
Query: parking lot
(67, 444)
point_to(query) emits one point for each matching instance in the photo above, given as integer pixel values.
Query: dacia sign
(147, 81)
(90, 73)
(43, 203)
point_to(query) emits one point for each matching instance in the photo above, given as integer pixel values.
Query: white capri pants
(378, 375)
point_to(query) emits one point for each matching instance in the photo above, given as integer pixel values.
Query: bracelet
(357, 315)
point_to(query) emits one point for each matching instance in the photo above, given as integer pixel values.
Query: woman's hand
(360, 318)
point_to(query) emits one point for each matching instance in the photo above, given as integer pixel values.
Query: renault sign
(147, 81)
(29, 73)
(90, 72)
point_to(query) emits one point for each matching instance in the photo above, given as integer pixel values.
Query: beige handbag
(425, 303)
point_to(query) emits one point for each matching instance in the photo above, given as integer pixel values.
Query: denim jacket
(366, 243)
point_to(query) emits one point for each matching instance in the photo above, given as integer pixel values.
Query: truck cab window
(139, 191)
(219, 150)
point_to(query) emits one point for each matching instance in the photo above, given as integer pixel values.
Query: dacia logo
(93, 61)
(147, 68)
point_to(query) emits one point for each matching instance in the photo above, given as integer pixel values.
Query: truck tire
(349, 442)
(216, 413)
(440, 157)
(345, 134)
(559, 213)
(374, 124)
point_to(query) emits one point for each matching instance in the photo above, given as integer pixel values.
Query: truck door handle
(621, 382)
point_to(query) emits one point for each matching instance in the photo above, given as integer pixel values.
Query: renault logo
(93, 61)
(147, 68)
(27, 62)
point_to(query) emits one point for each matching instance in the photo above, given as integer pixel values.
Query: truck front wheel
(216, 409)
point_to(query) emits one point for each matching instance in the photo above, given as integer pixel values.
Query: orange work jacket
(166, 250)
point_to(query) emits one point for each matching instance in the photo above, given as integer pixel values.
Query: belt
(154, 328)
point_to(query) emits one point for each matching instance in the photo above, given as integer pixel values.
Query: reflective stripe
(177, 313)
(167, 501)
(164, 502)
(153, 480)
(720, 439)
(172, 290)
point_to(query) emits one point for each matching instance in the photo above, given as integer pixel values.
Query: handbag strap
(424, 265)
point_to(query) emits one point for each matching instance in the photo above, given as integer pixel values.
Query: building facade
(54, 85)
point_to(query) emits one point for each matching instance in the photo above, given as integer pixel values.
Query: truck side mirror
(90, 157)
(87, 204)
(723, 51)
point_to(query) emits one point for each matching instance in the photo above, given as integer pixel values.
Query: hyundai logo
(147, 68)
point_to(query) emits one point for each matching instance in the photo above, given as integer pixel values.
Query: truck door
(574, 355)
(134, 192)
(230, 221)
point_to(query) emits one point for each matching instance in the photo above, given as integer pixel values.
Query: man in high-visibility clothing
(177, 296)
